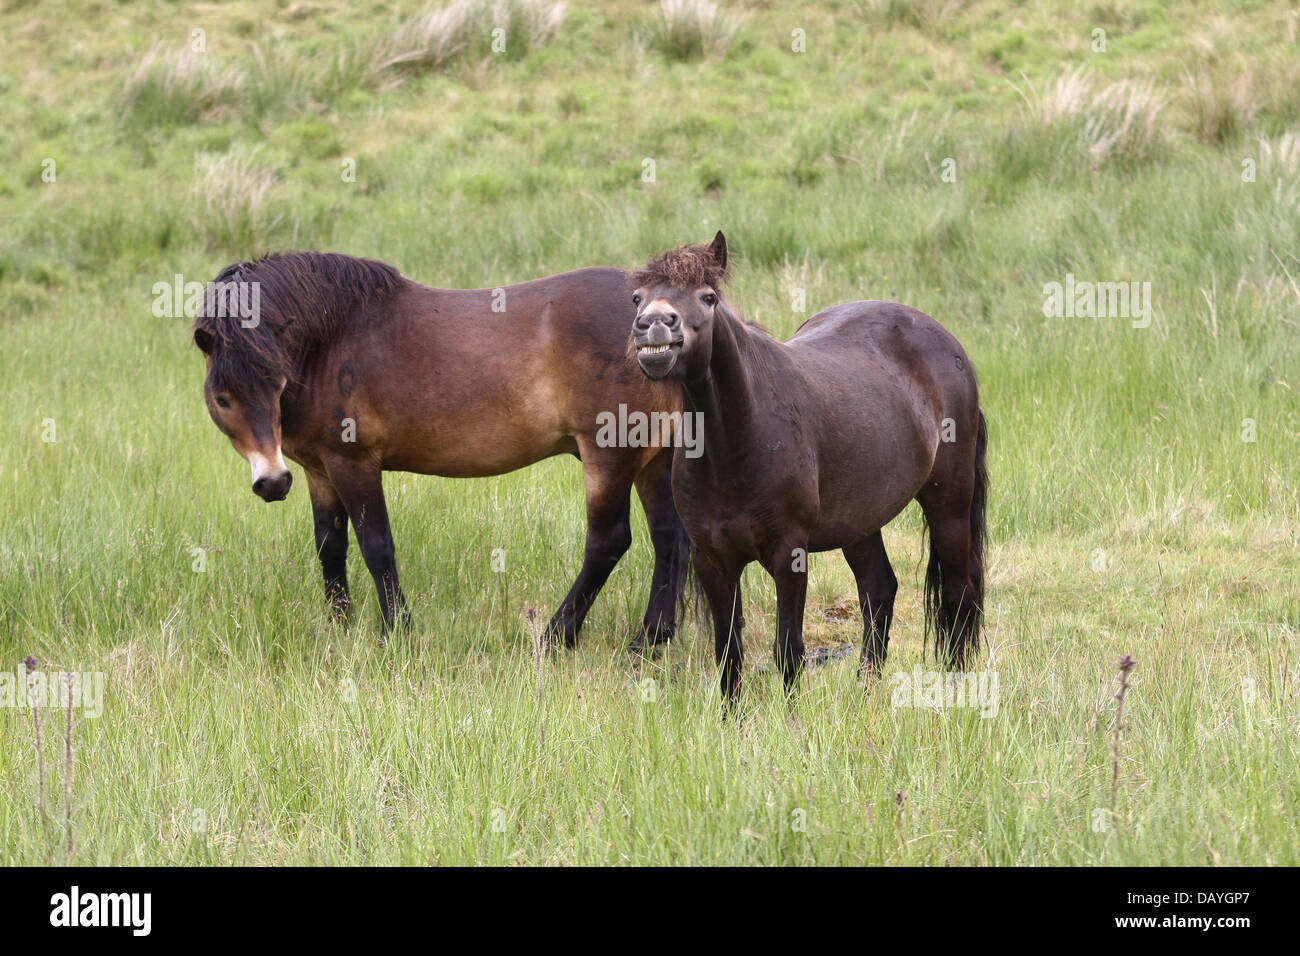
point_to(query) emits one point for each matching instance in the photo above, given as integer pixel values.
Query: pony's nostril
(259, 486)
(674, 318)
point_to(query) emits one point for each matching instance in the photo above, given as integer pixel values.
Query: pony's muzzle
(273, 487)
(658, 340)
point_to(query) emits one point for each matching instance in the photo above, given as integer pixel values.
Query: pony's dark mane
(754, 342)
(725, 309)
(686, 267)
(303, 299)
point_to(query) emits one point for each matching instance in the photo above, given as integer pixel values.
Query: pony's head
(247, 374)
(261, 325)
(677, 297)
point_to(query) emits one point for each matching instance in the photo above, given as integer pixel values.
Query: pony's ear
(203, 339)
(719, 249)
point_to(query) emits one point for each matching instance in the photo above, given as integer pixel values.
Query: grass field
(957, 156)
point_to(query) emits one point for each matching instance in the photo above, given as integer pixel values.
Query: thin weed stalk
(30, 663)
(1125, 668)
(67, 772)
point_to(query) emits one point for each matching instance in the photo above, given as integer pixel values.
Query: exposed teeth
(654, 349)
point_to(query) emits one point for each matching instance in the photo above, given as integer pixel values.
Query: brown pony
(814, 444)
(351, 370)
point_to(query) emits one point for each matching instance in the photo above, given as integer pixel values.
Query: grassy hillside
(956, 156)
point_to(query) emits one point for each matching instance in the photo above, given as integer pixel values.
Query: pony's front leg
(331, 520)
(789, 569)
(361, 490)
(721, 586)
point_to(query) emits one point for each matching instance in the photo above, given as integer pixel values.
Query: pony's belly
(860, 505)
(832, 538)
(476, 459)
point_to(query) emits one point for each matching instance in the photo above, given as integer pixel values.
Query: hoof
(400, 625)
(650, 642)
(555, 639)
(869, 670)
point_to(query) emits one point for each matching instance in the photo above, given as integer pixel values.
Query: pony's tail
(969, 617)
(979, 531)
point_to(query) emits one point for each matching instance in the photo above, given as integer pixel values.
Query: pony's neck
(730, 394)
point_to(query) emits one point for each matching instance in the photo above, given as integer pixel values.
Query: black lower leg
(332, 549)
(877, 587)
(956, 632)
(609, 535)
(791, 576)
(672, 551)
(330, 519)
(722, 590)
(362, 493)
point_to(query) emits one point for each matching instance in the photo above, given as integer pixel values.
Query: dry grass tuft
(183, 86)
(694, 29)
(1118, 121)
(1223, 107)
(466, 28)
(231, 192)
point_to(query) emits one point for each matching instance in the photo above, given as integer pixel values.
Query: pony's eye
(709, 299)
(636, 300)
(223, 402)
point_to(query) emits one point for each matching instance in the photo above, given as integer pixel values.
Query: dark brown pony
(814, 444)
(352, 370)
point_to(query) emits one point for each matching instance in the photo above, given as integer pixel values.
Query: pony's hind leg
(954, 500)
(672, 551)
(877, 587)
(607, 475)
(952, 600)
